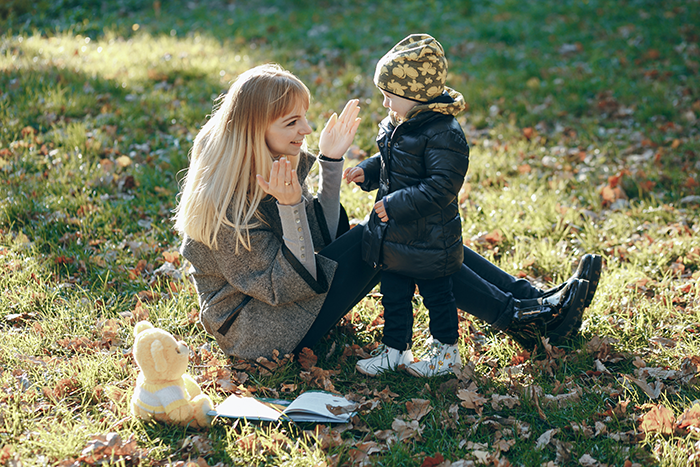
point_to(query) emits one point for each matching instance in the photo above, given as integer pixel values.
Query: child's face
(398, 104)
(285, 135)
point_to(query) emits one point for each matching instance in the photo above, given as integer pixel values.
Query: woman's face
(285, 135)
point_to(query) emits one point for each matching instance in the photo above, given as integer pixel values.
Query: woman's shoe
(588, 269)
(535, 318)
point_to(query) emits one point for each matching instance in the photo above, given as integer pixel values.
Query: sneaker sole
(413, 372)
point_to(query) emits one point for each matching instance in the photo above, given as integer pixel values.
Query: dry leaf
(562, 400)
(433, 461)
(319, 378)
(110, 448)
(508, 401)
(386, 395)
(653, 391)
(288, 388)
(307, 358)
(482, 457)
(361, 451)
(690, 418)
(587, 461)
(600, 367)
(471, 399)
(418, 408)
(406, 430)
(545, 438)
(123, 161)
(495, 237)
(326, 437)
(659, 419)
(503, 445)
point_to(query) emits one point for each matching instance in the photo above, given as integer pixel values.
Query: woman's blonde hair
(230, 150)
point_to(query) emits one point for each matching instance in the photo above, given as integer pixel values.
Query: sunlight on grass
(582, 125)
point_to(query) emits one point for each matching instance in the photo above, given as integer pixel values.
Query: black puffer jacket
(418, 171)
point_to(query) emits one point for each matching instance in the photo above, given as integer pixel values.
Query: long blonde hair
(230, 150)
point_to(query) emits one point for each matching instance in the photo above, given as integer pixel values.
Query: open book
(311, 406)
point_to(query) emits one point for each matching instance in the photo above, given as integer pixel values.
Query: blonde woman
(268, 267)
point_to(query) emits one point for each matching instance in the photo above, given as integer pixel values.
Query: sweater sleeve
(297, 234)
(330, 174)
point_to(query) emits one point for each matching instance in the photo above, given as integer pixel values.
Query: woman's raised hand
(284, 184)
(339, 131)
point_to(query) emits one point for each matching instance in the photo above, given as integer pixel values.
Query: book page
(245, 407)
(311, 406)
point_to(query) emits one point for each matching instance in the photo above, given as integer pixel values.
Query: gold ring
(287, 183)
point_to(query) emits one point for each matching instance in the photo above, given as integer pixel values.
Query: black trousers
(397, 299)
(479, 287)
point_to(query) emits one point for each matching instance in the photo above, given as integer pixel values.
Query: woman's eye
(292, 123)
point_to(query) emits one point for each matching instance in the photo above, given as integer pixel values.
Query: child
(414, 234)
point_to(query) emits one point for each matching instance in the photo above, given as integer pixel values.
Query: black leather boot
(589, 269)
(535, 318)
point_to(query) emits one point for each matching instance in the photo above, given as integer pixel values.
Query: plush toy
(164, 391)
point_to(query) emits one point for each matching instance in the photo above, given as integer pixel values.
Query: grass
(583, 127)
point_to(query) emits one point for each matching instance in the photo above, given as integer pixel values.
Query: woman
(275, 268)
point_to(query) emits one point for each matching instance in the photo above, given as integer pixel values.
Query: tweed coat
(418, 172)
(263, 299)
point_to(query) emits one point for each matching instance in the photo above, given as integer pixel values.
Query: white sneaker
(440, 360)
(384, 358)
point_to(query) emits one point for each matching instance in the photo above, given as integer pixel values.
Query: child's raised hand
(381, 210)
(354, 174)
(339, 131)
(284, 183)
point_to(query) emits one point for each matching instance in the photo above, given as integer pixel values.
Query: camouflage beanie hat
(415, 69)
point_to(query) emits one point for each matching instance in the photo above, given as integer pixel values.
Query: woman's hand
(354, 174)
(284, 184)
(339, 132)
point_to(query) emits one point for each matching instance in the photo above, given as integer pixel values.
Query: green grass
(99, 105)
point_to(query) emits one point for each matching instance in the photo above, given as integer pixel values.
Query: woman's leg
(518, 288)
(481, 298)
(352, 281)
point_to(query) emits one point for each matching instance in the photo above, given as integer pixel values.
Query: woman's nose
(385, 103)
(305, 128)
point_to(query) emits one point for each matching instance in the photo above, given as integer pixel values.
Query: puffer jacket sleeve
(372, 167)
(446, 159)
(269, 272)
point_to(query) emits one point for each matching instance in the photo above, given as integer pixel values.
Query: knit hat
(415, 68)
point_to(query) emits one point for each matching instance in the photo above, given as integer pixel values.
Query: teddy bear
(164, 391)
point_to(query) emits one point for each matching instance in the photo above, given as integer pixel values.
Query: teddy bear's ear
(142, 326)
(158, 354)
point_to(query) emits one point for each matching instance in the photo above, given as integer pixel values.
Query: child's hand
(354, 174)
(381, 211)
(284, 183)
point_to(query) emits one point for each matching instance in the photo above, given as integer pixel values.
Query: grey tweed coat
(260, 300)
